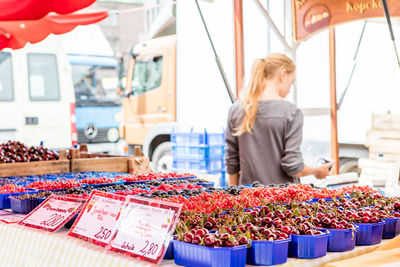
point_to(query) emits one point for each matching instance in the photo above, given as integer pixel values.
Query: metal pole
(273, 26)
(239, 45)
(354, 67)
(334, 129)
(387, 15)
(217, 59)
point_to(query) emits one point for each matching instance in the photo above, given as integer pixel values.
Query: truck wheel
(349, 165)
(162, 158)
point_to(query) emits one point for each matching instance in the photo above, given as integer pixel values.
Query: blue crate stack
(199, 152)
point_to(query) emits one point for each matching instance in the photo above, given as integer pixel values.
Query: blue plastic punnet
(24, 206)
(309, 246)
(191, 255)
(169, 254)
(369, 233)
(342, 240)
(268, 252)
(391, 228)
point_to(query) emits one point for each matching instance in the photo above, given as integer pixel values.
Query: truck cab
(149, 105)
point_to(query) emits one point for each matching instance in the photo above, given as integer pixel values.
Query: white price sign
(53, 213)
(98, 218)
(144, 228)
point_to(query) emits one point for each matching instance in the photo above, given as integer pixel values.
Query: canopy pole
(334, 129)
(239, 45)
(217, 59)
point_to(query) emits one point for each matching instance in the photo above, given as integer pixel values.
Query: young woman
(264, 131)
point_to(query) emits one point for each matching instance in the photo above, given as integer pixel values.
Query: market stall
(104, 218)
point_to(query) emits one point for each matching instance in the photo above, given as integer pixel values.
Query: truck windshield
(95, 85)
(147, 75)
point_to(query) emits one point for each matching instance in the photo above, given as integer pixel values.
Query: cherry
(272, 236)
(188, 237)
(208, 225)
(266, 220)
(231, 243)
(218, 243)
(196, 240)
(209, 241)
(243, 240)
(286, 229)
(283, 235)
(224, 236)
(365, 219)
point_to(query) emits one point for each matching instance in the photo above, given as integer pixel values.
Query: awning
(15, 34)
(36, 9)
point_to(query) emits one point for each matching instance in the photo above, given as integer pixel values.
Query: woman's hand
(322, 171)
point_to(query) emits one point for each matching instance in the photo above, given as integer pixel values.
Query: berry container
(205, 185)
(169, 254)
(71, 221)
(391, 228)
(369, 233)
(24, 206)
(268, 252)
(342, 240)
(106, 184)
(5, 198)
(191, 255)
(309, 246)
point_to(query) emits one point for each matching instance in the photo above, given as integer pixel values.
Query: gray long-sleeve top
(271, 153)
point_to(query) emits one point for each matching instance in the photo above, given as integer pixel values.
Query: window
(43, 77)
(6, 77)
(147, 75)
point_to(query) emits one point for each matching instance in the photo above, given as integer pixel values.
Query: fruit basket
(192, 255)
(369, 233)
(268, 252)
(309, 246)
(341, 240)
(391, 228)
(24, 206)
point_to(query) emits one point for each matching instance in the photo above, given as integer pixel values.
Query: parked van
(37, 101)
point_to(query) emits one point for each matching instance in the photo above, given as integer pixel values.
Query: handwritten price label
(53, 213)
(145, 228)
(98, 218)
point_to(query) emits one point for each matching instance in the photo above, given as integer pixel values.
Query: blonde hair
(262, 69)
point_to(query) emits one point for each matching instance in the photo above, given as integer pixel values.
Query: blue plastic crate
(195, 139)
(391, 228)
(369, 233)
(342, 240)
(191, 255)
(308, 246)
(268, 252)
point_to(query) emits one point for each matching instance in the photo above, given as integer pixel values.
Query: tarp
(36, 9)
(15, 34)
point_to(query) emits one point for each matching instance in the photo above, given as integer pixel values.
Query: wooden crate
(36, 167)
(82, 161)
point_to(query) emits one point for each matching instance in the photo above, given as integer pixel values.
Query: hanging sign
(312, 16)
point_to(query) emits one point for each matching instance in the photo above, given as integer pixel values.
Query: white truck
(37, 101)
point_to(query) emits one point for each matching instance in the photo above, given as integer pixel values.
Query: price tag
(98, 218)
(53, 213)
(145, 228)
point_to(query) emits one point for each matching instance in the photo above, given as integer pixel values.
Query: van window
(147, 75)
(43, 77)
(6, 77)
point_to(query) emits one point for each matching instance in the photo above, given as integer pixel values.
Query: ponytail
(262, 69)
